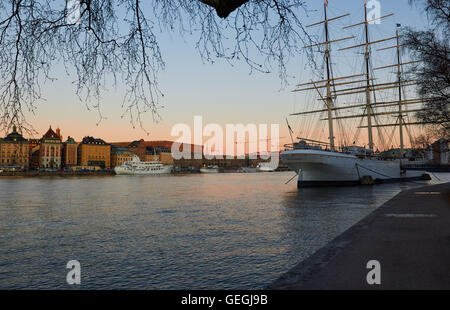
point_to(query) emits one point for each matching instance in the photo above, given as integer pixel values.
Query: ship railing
(306, 146)
(327, 148)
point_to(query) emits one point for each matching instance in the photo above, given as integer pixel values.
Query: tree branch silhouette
(115, 41)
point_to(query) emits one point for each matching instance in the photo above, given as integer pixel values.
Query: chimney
(58, 133)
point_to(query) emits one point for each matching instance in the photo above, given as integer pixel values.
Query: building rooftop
(151, 150)
(70, 140)
(51, 135)
(161, 144)
(119, 150)
(92, 140)
(14, 136)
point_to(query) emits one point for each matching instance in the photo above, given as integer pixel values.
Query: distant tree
(111, 40)
(422, 141)
(432, 48)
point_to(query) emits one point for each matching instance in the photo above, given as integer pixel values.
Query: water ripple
(231, 231)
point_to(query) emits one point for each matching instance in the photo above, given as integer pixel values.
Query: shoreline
(31, 174)
(63, 174)
(408, 235)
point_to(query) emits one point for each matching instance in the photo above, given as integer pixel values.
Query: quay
(70, 173)
(409, 236)
(55, 173)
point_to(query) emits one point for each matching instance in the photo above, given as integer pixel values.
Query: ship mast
(329, 100)
(368, 105)
(400, 112)
(333, 84)
(330, 81)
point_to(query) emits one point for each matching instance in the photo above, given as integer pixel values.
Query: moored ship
(324, 168)
(137, 167)
(325, 163)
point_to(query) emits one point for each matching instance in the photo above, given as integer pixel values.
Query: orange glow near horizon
(159, 132)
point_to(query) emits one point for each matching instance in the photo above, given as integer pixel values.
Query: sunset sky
(219, 92)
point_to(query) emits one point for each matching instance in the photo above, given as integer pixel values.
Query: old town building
(161, 150)
(34, 153)
(14, 150)
(440, 152)
(50, 150)
(94, 152)
(69, 154)
(120, 155)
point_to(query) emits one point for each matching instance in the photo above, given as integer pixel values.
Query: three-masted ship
(327, 163)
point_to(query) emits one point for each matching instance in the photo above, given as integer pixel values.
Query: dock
(409, 236)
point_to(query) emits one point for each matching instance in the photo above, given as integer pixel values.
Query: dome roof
(14, 136)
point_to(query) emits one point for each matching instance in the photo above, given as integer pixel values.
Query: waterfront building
(143, 148)
(146, 150)
(120, 155)
(225, 162)
(151, 157)
(50, 150)
(440, 152)
(34, 145)
(159, 153)
(160, 150)
(34, 159)
(94, 152)
(166, 158)
(139, 148)
(69, 154)
(14, 150)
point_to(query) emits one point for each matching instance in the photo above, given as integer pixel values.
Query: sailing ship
(327, 163)
(138, 167)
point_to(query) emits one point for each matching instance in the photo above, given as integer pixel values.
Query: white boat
(210, 169)
(137, 167)
(325, 163)
(265, 167)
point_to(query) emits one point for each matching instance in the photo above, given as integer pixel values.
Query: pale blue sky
(221, 93)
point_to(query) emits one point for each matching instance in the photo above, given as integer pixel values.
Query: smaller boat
(210, 169)
(265, 167)
(138, 167)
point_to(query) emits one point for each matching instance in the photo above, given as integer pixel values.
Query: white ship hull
(316, 168)
(265, 169)
(209, 170)
(124, 171)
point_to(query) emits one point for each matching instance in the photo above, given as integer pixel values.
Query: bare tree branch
(432, 48)
(105, 42)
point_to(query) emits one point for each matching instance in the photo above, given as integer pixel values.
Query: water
(217, 231)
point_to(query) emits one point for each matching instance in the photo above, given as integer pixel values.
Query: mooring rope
(357, 170)
(372, 171)
(435, 176)
(296, 174)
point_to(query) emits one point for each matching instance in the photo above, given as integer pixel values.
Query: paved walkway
(409, 236)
